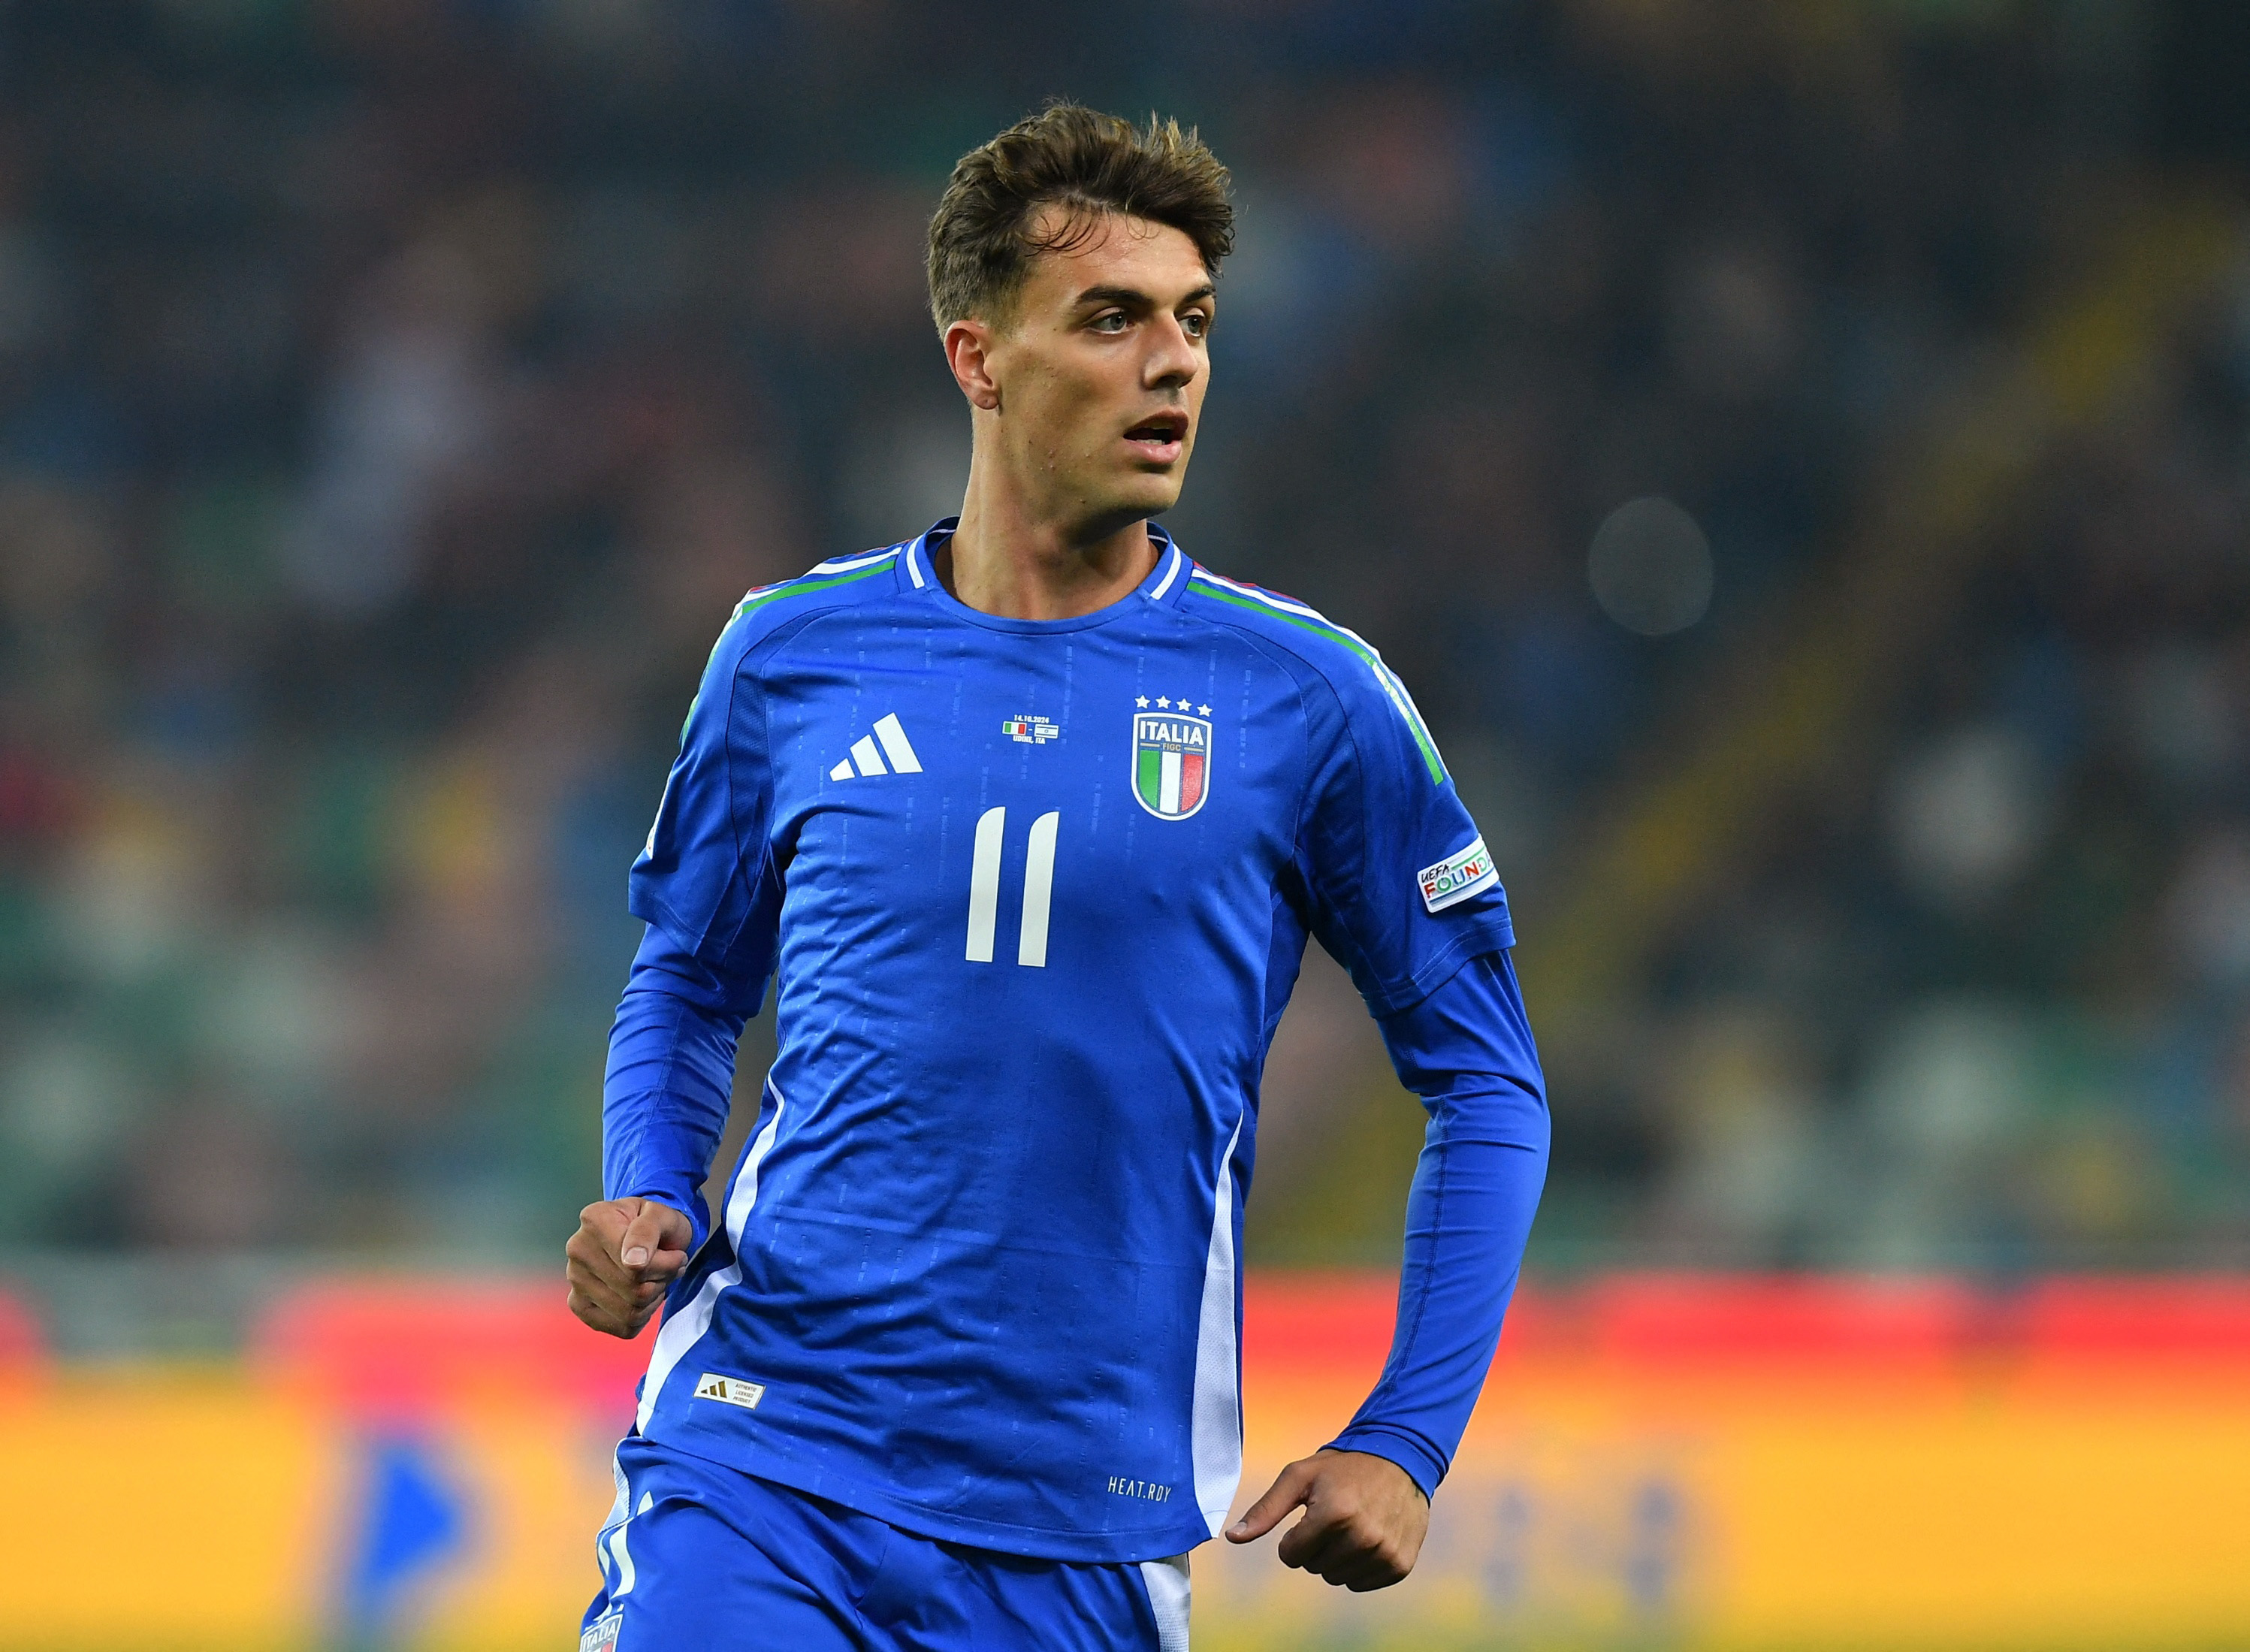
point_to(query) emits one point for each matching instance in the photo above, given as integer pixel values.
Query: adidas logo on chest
(867, 760)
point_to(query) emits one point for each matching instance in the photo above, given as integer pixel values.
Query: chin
(1149, 495)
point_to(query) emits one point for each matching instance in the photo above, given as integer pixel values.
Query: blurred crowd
(1985, 995)
(395, 395)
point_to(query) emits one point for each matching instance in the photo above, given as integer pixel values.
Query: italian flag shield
(1171, 763)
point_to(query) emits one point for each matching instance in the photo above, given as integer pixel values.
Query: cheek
(1082, 411)
(1057, 401)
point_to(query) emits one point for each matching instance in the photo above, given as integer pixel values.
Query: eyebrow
(1133, 298)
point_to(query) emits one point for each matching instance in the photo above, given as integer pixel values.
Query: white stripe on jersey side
(1215, 1438)
(1171, 574)
(665, 797)
(913, 563)
(1166, 1583)
(896, 747)
(685, 1329)
(1389, 679)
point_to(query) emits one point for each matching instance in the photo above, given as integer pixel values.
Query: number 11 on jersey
(984, 887)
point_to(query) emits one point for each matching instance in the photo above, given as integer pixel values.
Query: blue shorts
(697, 1557)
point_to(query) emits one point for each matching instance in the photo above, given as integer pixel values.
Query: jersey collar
(1166, 584)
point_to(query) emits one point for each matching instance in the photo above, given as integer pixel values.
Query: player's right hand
(624, 1254)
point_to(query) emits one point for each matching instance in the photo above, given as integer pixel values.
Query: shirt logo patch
(731, 1391)
(869, 762)
(601, 1636)
(1171, 763)
(1457, 878)
(1031, 732)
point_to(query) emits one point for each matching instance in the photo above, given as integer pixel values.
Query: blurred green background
(1797, 453)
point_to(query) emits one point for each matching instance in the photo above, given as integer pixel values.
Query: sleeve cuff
(686, 1200)
(1410, 1451)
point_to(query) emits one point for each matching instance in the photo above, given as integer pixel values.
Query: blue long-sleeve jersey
(1037, 892)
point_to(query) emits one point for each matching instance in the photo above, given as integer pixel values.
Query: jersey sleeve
(1401, 889)
(669, 1080)
(706, 877)
(1466, 1050)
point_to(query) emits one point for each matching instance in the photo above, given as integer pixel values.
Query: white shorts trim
(1166, 1583)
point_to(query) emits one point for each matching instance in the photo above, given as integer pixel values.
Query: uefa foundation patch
(601, 1636)
(1454, 880)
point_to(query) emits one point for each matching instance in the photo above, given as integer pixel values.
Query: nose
(1172, 361)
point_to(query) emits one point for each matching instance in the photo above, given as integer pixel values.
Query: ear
(969, 353)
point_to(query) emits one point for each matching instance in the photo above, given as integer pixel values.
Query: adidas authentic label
(731, 1391)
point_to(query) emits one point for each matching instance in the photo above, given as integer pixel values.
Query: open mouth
(1160, 434)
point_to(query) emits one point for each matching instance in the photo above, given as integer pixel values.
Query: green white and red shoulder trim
(1258, 600)
(837, 571)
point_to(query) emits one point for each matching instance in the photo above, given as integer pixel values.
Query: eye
(1110, 321)
(1196, 323)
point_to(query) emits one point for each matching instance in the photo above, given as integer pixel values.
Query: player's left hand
(1364, 1519)
(625, 1254)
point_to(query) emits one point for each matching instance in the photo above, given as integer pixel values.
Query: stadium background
(1797, 452)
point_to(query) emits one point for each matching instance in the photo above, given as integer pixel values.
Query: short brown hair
(982, 239)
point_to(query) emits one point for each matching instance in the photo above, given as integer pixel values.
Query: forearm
(670, 1079)
(1468, 1051)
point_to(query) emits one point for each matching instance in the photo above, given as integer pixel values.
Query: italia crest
(1171, 763)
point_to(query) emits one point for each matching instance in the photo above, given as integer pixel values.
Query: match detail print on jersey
(1171, 763)
(896, 747)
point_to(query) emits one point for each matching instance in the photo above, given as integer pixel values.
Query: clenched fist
(624, 1254)
(1363, 1524)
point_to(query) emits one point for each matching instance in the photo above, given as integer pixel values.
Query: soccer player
(1032, 814)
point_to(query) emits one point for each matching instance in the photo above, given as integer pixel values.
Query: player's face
(1101, 372)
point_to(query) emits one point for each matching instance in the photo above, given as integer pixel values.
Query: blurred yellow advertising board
(1658, 1461)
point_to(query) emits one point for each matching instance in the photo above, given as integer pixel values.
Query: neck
(1015, 561)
